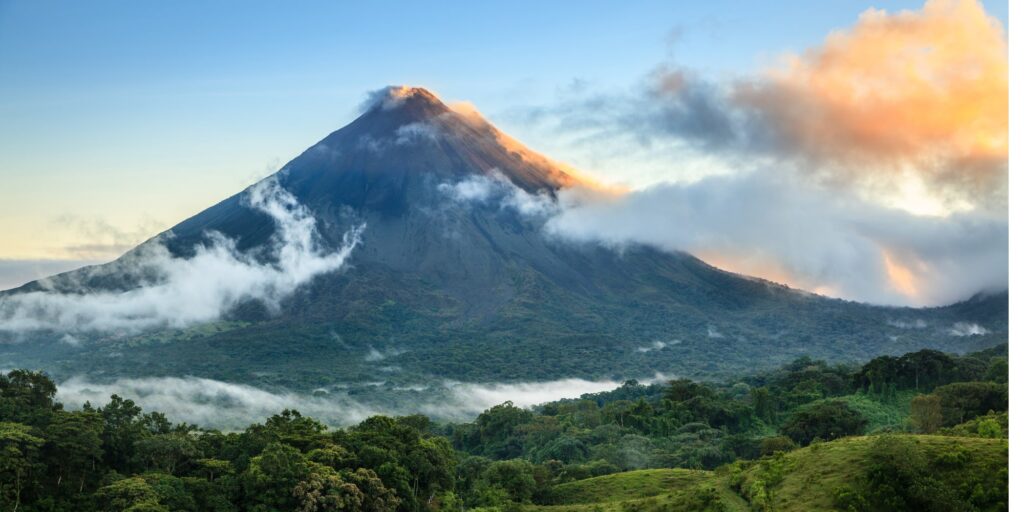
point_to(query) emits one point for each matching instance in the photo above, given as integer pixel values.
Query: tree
(270, 480)
(19, 459)
(926, 413)
(514, 476)
(122, 428)
(133, 494)
(962, 401)
(74, 446)
(497, 431)
(764, 404)
(826, 420)
(166, 452)
(773, 445)
(376, 496)
(899, 478)
(990, 428)
(27, 397)
(323, 489)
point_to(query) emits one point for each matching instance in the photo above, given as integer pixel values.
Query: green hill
(948, 473)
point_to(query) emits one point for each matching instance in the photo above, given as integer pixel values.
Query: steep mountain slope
(455, 278)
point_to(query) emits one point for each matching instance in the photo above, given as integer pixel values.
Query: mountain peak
(414, 100)
(407, 133)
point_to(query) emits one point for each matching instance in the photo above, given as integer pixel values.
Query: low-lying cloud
(213, 403)
(210, 403)
(178, 292)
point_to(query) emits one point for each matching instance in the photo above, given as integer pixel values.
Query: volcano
(455, 277)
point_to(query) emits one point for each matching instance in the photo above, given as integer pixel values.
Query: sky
(120, 119)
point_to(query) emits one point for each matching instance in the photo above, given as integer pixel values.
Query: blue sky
(119, 119)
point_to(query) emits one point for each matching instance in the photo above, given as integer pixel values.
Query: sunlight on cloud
(923, 93)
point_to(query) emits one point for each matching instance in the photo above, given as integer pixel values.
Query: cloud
(413, 132)
(213, 403)
(178, 292)
(907, 108)
(967, 329)
(468, 397)
(903, 324)
(373, 355)
(387, 98)
(772, 225)
(871, 167)
(914, 91)
(657, 346)
(495, 186)
(210, 403)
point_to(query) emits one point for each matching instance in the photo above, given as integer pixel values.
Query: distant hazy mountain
(455, 278)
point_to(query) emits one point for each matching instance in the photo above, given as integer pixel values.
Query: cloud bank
(178, 292)
(213, 403)
(810, 237)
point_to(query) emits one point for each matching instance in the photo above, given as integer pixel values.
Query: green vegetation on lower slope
(630, 485)
(888, 472)
(681, 446)
(646, 490)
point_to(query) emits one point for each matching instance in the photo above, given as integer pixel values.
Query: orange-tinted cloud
(922, 92)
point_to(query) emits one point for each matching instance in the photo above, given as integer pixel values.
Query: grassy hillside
(813, 478)
(646, 490)
(819, 477)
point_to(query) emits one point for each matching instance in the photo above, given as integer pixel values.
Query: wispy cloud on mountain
(178, 292)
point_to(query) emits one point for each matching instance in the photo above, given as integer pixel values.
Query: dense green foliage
(544, 334)
(117, 457)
